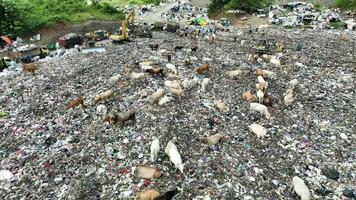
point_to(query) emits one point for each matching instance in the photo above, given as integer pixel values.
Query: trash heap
(305, 14)
(139, 10)
(187, 118)
(185, 12)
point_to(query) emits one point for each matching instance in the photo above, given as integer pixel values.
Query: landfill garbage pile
(178, 11)
(185, 118)
(69, 36)
(304, 14)
(139, 10)
(184, 11)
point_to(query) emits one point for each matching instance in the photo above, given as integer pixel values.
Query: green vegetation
(346, 4)
(317, 7)
(216, 5)
(132, 2)
(25, 16)
(247, 5)
(337, 25)
(156, 2)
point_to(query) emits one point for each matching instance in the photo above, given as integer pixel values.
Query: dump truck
(41, 51)
(158, 26)
(265, 46)
(27, 53)
(70, 40)
(97, 35)
(172, 27)
(5, 62)
(308, 19)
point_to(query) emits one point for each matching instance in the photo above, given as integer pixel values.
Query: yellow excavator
(123, 35)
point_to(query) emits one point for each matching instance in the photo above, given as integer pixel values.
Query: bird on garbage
(154, 149)
(156, 96)
(213, 139)
(136, 76)
(267, 101)
(174, 156)
(172, 84)
(76, 102)
(301, 188)
(176, 91)
(202, 68)
(102, 96)
(187, 62)
(212, 122)
(288, 97)
(259, 130)
(31, 67)
(259, 72)
(164, 100)
(298, 47)
(194, 49)
(147, 195)
(265, 73)
(168, 195)
(172, 68)
(178, 47)
(248, 96)
(260, 96)
(126, 116)
(189, 83)
(204, 84)
(126, 69)
(262, 81)
(234, 73)
(111, 119)
(293, 83)
(153, 46)
(155, 70)
(260, 86)
(147, 172)
(269, 74)
(262, 109)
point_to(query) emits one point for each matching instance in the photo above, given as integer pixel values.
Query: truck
(26, 53)
(172, 27)
(70, 40)
(158, 26)
(97, 35)
(265, 46)
(5, 62)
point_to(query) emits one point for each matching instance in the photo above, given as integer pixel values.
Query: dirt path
(200, 3)
(52, 33)
(154, 16)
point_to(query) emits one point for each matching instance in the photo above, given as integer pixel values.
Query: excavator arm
(131, 16)
(123, 35)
